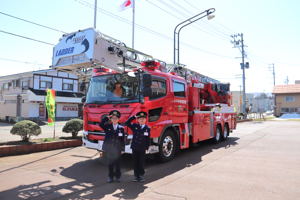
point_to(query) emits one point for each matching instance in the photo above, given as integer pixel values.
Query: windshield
(113, 88)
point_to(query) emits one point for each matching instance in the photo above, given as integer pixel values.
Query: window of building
(24, 84)
(68, 86)
(179, 89)
(45, 85)
(16, 83)
(289, 110)
(5, 86)
(289, 99)
(159, 89)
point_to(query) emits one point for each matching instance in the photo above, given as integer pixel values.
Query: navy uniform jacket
(114, 140)
(141, 136)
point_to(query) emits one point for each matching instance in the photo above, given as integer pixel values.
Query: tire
(218, 135)
(167, 146)
(225, 132)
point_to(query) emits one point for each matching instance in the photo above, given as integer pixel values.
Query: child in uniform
(114, 144)
(140, 143)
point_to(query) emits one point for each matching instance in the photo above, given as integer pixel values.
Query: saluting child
(140, 143)
(114, 144)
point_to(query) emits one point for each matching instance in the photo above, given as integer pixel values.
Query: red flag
(126, 4)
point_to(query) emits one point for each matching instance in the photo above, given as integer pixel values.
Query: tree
(25, 129)
(73, 126)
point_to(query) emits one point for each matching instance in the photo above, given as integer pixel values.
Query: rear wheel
(167, 146)
(217, 137)
(225, 132)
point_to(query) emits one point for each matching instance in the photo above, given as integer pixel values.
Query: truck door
(180, 111)
(180, 106)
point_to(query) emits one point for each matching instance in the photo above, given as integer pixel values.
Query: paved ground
(259, 161)
(47, 132)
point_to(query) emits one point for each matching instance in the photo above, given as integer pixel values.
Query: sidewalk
(47, 132)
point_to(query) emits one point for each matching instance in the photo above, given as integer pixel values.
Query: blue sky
(271, 32)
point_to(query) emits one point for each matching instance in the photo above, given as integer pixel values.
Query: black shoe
(109, 180)
(141, 179)
(136, 179)
(117, 180)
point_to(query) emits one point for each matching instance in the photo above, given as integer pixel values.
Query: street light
(178, 28)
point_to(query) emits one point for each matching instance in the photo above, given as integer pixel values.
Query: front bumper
(98, 145)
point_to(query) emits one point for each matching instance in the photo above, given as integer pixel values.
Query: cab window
(159, 88)
(179, 89)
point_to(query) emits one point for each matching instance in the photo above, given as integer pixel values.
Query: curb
(31, 148)
(244, 120)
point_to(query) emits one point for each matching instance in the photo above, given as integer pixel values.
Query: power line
(31, 22)
(24, 37)
(19, 61)
(214, 33)
(153, 4)
(224, 27)
(214, 30)
(191, 5)
(173, 8)
(181, 7)
(87, 4)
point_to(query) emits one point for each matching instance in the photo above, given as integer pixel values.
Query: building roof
(286, 89)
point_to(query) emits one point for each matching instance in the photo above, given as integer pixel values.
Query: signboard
(74, 48)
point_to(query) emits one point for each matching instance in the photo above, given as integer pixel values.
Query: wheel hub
(168, 146)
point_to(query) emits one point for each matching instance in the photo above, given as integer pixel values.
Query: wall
(281, 102)
(33, 109)
(66, 110)
(57, 82)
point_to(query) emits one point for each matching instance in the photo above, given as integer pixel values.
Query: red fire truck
(183, 106)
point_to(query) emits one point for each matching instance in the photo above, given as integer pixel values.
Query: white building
(256, 102)
(22, 96)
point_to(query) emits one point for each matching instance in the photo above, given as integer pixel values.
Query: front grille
(93, 123)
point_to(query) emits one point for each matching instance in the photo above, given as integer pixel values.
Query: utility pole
(95, 14)
(133, 23)
(273, 72)
(274, 83)
(238, 42)
(287, 80)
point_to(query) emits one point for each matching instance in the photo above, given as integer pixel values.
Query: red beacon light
(151, 64)
(101, 69)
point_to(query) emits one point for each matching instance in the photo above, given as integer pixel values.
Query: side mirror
(83, 99)
(147, 91)
(147, 80)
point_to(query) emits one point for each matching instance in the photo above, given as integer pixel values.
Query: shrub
(73, 126)
(25, 129)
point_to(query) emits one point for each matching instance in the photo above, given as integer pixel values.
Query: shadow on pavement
(88, 178)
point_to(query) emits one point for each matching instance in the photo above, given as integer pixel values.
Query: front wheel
(167, 146)
(225, 132)
(217, 137)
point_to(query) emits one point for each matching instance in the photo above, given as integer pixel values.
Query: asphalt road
(259, 161)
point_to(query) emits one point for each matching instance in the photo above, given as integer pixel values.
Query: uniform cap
(115, 113)
(141, 114)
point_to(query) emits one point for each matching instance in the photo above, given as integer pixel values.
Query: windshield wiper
(96, 102)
